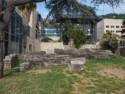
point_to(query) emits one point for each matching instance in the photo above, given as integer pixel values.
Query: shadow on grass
(15, 68)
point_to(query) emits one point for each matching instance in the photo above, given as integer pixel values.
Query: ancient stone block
(9, 61)
(25, 66)
(76, 64)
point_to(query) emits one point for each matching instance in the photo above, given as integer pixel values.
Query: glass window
(107, 26)
(12, 38)
(117, 26)
(112, 26)
(16, 33)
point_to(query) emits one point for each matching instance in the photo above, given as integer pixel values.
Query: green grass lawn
(59, 80)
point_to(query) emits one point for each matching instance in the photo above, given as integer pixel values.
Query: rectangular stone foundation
(76, 64)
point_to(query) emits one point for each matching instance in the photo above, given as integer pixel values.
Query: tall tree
(25, 14)
(6, 12)
(68, 8)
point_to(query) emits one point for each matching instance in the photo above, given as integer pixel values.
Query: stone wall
(10, 61)
(34, 43)
(84, 46)
(45, 59)
(33, 59)
(88, 53)
(51, 46)
(37, 46)
(121, 51)
(91, 46)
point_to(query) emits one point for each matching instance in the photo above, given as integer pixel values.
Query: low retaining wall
(90, 46)
(62, 57)
(88, 53)
(49, 47)
(38, 59)
(84, 46)
(34, 45)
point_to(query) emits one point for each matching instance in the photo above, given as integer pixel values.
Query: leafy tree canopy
(110, 42)
(71, 32)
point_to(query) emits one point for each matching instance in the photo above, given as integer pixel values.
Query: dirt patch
(75, 89)
(113, 72)
(2, 79)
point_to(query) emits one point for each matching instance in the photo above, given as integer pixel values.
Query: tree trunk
(9, 40)
(1, 50)
(24, 41)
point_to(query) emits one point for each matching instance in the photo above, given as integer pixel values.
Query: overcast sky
(101, 10)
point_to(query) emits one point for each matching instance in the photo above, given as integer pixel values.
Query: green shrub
(77, 35)
(66, 34)
(78, 38)
(46, 39)
(110, 42)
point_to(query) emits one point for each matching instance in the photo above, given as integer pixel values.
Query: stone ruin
(10, 60)
(77, 64)
(87, 53)
(60, 57)
(41, 59)
(63, 57)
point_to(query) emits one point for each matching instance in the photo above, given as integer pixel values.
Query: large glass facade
(6, 38)
(16, 33)
(13, 35)
(51, 32)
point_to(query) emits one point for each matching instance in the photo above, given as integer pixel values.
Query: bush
(71, 32)
(110, 42)
(78, 38)
(46, 39)
(66, 34)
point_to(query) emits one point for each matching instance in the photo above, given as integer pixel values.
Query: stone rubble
(9, 61)
(88, 53)
(76, 64)
(25, 66)
(75, 58)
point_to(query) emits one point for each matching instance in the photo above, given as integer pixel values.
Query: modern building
(13, 35)
(87, 28)
(108, 25)
(52, 32)
(16, 33)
